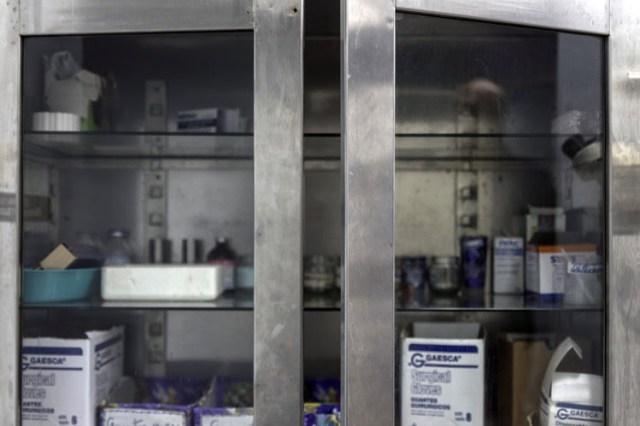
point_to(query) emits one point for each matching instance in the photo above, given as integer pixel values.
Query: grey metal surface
(623, 325)
(590, 16)
(224, 340)
(279, 185)
(425, 219)
(95, 16)
(206, 204)
(368, 323)
(9, 224)
(117, 206)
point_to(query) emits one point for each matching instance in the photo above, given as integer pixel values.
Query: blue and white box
(198, 120)
(64, 380)
(508, 265)
(443, 375)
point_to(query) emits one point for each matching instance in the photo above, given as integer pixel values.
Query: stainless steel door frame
(623, 322)
(368, 150)
(278, 174)
(368, 108)
(40, 17)
(589, 16)
(278, 169)
(9, 207)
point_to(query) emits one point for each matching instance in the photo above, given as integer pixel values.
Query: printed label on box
(576, 414)
(63, 378)
(137, 417)
(443, 382)
(208, 420)
(508, 265)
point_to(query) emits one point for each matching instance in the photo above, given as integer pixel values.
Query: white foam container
(162, 282)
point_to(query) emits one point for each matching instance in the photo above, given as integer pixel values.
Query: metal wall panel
(623, 343)
(278, 189)
(591, 16)
(98, 16)
(9, 207)
(368, 154)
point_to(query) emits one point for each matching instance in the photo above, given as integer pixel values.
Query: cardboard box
(508, 265)
(547, 256)
(204, 416)
(150, 401)
(570, 399)
(522, 360)
(198, 120)
(60, 258)
(443, 375)
(314, 415)
(63, 380)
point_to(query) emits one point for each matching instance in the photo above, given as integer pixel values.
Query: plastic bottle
(118, 250)
(223, 255)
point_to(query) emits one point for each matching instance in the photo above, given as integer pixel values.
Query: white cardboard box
(443, 375)
(198, 120)
(546, 266)
(570, 399)
(63, 380)
(508, 265)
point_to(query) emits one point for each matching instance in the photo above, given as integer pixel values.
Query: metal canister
(474, 260)
(444, 274)
(192, 251)
(160, 250)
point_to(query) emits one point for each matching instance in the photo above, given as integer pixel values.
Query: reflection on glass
(124, 195)
(499, 218)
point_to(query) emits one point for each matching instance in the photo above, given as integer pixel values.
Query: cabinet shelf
(234, 300)
(490, 303)
(242, 300)
(118, 145)
(239, 146)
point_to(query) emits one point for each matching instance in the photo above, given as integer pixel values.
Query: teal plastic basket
(63, 285)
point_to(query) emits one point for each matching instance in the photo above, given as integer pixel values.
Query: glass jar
(444, 274)
(319, 272)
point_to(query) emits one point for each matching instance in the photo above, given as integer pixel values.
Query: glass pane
(499, 228)
(323, 231)
(137, 155)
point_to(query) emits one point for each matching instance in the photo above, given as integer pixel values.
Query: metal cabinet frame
(368, 80)
(278, 170)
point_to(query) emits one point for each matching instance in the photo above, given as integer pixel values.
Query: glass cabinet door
(162, 219)
(499, 229)
(481, 190)
(138, 157)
